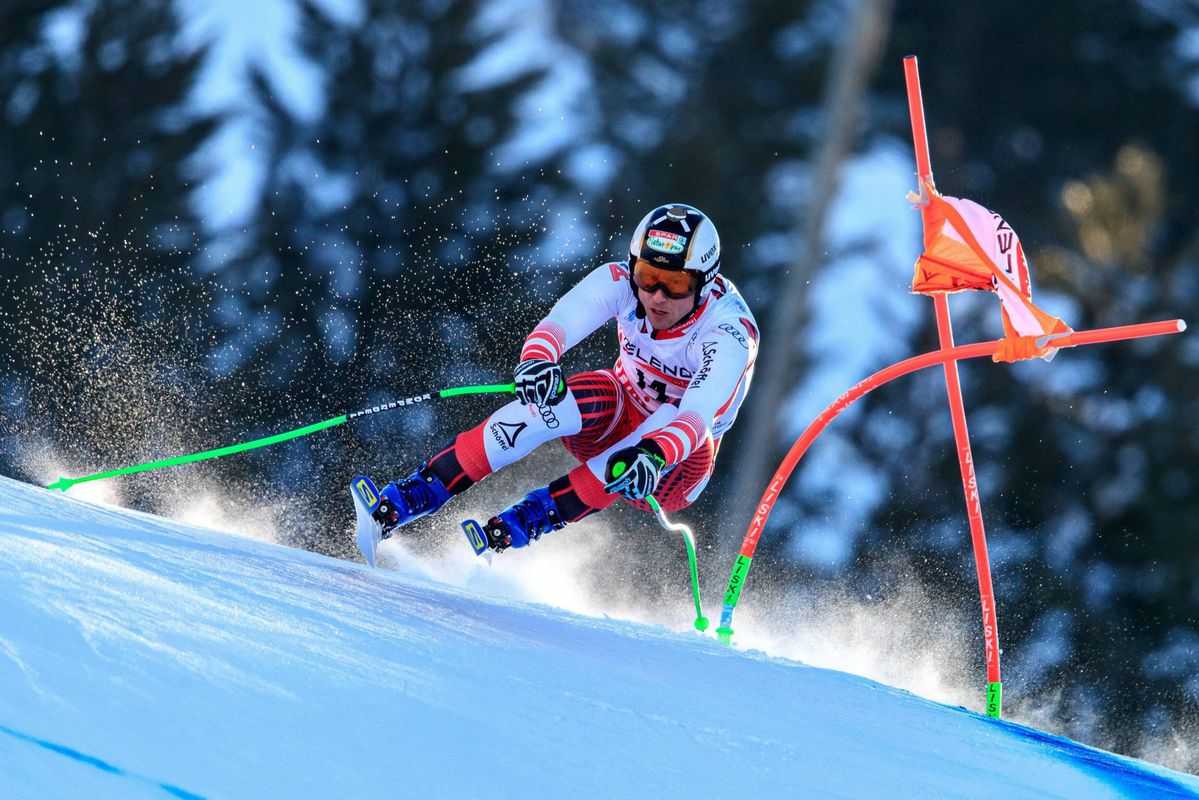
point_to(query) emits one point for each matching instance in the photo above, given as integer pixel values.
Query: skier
(650, 425)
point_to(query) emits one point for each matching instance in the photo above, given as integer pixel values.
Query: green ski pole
(497, 388)
(701, 622)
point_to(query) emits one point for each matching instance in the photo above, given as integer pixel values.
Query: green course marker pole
(498, 388)
(995, 699)
(724, 633)
(701, 622)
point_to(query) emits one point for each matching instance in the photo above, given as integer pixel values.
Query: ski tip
(370, 532)
(365, 490)
(476, 537)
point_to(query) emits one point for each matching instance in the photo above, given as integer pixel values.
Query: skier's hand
(539, 382)
(634, 471)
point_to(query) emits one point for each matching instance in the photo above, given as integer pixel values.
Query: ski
(366, 500)
(475, 535)
(477, 538)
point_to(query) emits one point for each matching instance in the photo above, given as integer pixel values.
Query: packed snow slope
(146, 658)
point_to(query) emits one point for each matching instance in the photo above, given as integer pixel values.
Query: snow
(141, 657)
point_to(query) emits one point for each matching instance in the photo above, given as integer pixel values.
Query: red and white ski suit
(680, 387)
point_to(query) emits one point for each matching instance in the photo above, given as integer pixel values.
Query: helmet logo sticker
(665, 242)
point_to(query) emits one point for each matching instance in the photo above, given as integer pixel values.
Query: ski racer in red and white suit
(651, 424)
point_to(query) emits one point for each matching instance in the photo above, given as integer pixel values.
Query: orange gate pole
(961, 433)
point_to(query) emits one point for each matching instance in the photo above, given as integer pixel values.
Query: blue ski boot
(381, 512)
(401, 502)
(524, 522)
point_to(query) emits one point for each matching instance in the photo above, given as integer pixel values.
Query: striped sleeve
(593, 301)
(727, 353)
(547, 341)
(680, 436)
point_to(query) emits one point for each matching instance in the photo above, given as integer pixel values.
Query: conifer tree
(394, 246)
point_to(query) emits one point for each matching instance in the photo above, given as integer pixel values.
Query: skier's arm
(727, 351)
(592, 302)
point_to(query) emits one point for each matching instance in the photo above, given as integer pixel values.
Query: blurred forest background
(219, 221)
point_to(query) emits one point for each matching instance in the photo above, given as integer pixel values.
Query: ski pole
(498, 388)
(701, 622)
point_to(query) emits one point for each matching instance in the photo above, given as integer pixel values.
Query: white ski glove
(539, 382)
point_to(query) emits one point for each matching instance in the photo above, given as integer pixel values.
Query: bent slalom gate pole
(67, 483)
(701, 622)
(762, 511)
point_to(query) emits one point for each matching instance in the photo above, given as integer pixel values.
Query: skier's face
(666, 295)
(664, 312)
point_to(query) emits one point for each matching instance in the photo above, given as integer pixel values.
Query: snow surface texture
(146, 658)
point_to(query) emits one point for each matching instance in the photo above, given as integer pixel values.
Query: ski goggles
(675, 284)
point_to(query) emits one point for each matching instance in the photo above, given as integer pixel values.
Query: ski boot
(526, 521)
(400, 502)
(381, 512)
